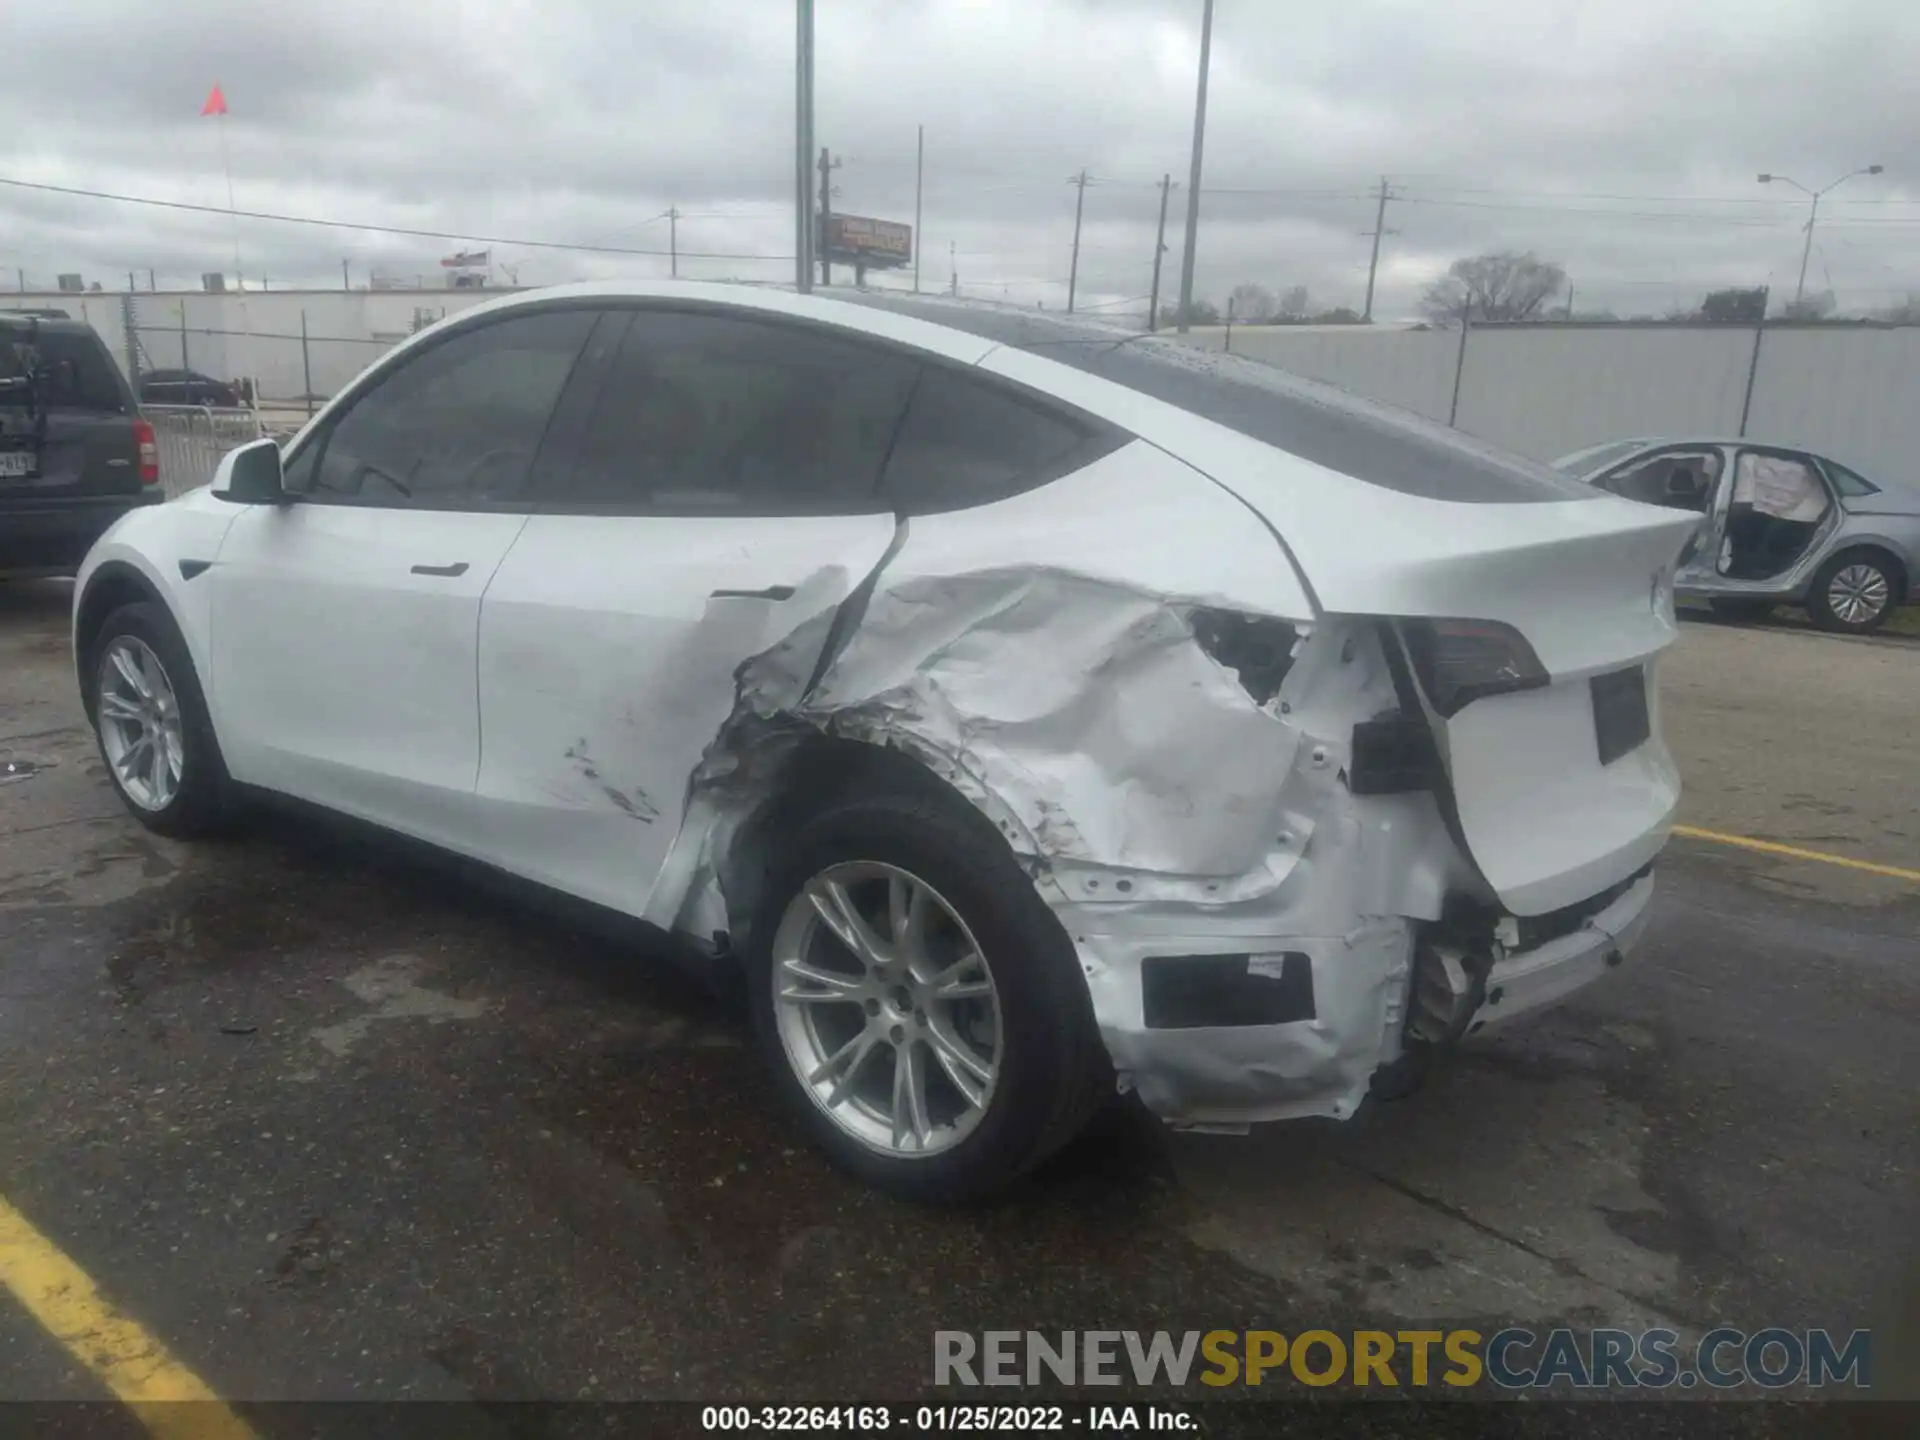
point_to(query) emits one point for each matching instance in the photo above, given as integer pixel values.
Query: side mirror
(251, 475)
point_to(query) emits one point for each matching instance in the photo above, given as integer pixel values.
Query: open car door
(1681, 477)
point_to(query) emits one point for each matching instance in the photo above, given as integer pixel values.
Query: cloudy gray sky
(1621, 139)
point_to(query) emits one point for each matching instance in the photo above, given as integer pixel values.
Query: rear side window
(710, 414)
(1848, 483)
(965, 443)
(74, 373)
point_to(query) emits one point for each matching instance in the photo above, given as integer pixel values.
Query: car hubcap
(140, 723)
(1858, 594)
(886, 1009)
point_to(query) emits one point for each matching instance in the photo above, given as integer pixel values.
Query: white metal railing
(192, 438)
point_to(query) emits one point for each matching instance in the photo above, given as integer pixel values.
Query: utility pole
(827, 166)
(1379, 229)
(803, 149)
(919, 173)
(1159, 249)
(1569, 300)
(1193, 177)
(673, 241)
(152, 284)
(953, 259)
(346, 280)
(130, 285)
(1079, 182)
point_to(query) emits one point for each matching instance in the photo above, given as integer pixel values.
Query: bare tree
(1295, 303)
(1504, 285)
(1251, 304)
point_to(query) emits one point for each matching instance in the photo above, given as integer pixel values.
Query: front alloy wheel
(140, 728)
(886, 1009)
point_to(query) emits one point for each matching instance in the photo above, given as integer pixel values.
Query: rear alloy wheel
(886, 1009)
(920, 1008)
(1853, 594)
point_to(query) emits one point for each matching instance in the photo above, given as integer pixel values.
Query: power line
(1745, 222)
(462, 236)
(1662, 199)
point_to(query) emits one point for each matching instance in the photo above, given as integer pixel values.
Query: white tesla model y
(1028, 708)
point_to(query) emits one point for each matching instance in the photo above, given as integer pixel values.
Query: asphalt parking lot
(334, 1124)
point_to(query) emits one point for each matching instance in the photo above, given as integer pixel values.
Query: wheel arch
(810, 775)
(111, 585)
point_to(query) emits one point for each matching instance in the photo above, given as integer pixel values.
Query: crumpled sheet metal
(1160, 809)
(1087, 710)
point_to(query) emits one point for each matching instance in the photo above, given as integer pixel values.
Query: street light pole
(1806, 250)
(1193, 177)
(1813, 214)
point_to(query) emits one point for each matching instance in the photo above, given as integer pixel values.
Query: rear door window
(699, 414)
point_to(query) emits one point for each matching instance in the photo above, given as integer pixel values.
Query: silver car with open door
(1778, 526)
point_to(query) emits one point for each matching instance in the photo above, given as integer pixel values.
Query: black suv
(74, 453)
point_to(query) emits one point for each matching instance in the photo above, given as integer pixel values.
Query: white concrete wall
(1414, 372)
(1853, 392)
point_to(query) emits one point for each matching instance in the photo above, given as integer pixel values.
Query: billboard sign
(861, 240)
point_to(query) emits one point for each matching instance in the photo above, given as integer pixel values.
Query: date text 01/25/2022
(973, 1419)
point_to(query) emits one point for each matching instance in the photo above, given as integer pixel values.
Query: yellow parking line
(169, 1399)
(1769, 847)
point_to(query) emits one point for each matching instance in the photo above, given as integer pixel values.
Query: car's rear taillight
(149, 452)
(1460, 661)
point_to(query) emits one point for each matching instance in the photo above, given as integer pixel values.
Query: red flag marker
(216, 103)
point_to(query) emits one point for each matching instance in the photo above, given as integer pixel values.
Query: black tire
(1732, 607)
(1054, 1072)
(1821, 598)
(203, 802)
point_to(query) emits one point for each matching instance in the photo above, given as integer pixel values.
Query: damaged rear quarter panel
(1038, 655)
